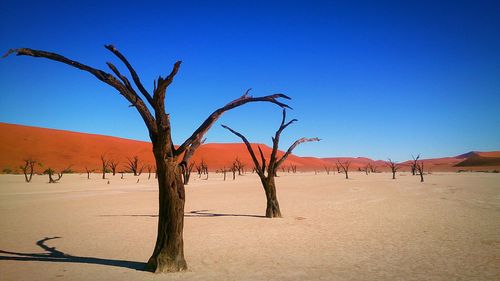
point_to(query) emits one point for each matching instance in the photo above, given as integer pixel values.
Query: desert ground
(369, 227)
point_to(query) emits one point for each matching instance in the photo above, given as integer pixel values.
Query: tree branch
(256, 163)
(134, 75)
(207, 124)
(276, 139)
(292, 147)
(99, 74)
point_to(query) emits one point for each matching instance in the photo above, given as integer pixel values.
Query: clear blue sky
(371, 78)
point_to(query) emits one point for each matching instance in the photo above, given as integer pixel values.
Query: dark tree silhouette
(373, 168)
(366, 169)
(272, 209)
(168, 253)
(28, 169)
(104, 165)
(133, 165)
(239, 166)
(420, 169)
(88, 172)
(51, 172)
(414, 164)
(345, 167)
(394, 167)
(327, 169)
(338, 167)
(113, 164)
(234, 169)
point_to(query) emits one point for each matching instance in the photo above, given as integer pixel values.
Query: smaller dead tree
(394, 167)
(113, 164)
(133, 165)
(345, 167)
(88, 172)
(268, 182)
(28, 169)
(149, 169)
(420, 169)
(234, 168)
(294, 168)
(413, 166)
(204, 169)
(51, 173)
(104, 165)
(338, 167)
(327, 169)
(239, 166)
(373, 168)
(366, 169)
(186, 172)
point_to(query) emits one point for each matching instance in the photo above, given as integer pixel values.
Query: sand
(366, 228)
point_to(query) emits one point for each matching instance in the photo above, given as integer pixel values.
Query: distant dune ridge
(60, 149)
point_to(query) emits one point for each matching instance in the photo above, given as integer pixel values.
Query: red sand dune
(59, 149)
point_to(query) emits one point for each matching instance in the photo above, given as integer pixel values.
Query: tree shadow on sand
(53, 255)
(194, 214)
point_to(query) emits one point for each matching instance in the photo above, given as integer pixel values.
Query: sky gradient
(385, 79)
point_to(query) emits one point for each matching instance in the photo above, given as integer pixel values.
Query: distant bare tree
(51, 172)
(88, 172)
(272, 209)
(345, 167)
(366, 169)
(394, 167)
(338, 167)
(373, 168)
(149, 169)
(414, 164)
(239, 166)
(294, 168)
(28, 169)
(420, 169)
(104, 165)
(327, 169)
(113, 164)
(133, 165)
(186, 172)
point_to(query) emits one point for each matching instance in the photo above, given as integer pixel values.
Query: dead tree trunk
(28, 169)
(51, 172)
(345, 167)
(273, 208)
(88, 172)
(104, 166)
(420, 169)
(113, 164)
(414, 164)
(168, 252)
(394, 168)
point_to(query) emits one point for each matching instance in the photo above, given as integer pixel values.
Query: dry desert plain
(369, 227)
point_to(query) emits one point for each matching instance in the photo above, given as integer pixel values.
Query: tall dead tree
(327, 169)
(420, 169)
(104, 165)
(273, 208)
(28, 169)
(168, 253)
(345, 167)
(394, 167)
(239, 166)
(414, 164)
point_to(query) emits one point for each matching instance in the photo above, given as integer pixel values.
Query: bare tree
(133, 165)
(186, 172)
(168, 253)
(104, 165)
(345, 167)
(113, 164)
(414, 164)
(234, 169)
(394, 167)
(88, 172)
(338, 167)
(420, 169)
(28, 169)
(327, 169)
(366, 168)
(51, 172)
(149, 168)
(373, 168)
(239, 166)
(272, 209)
(294, 168)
